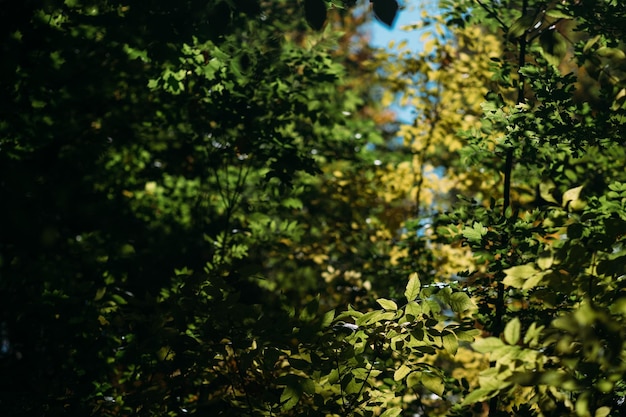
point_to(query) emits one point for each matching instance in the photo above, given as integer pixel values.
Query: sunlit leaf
(375, 317)
(467, 335)
(546, 261)
(558, 14)
(571, 195)
(401, 372)
(392, 412)
(413, 287)
(512, 331)
(546, 188)
(413, 309)
(387, 304)
(460, 302)
(450, 343)
(532, 334)
(517, 276)
(433, 383)
(475, 233)
(478, 395)
(488, 344)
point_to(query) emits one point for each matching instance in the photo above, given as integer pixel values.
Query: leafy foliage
(536, 272)
(208, 208)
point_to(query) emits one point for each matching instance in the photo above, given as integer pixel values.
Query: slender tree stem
(508, 168)
(508, 173)
(491, 13)
(421, 155)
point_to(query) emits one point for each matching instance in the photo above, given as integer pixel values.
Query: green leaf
(534, 280)
(413, 287)
(100, 293)
(611, 53)
(488, 344)
(350, 384)
(292, 202)
(478, 395)
(392, 412)
(475, 233)
(327, 319)
(553, 46)
(401, 372)
(512, 331)
(450, 342)
(290, 396)
(374, 317)
(468, 335)
(520, 26)
(308, 386)
(433, 383)
(413, 309)
(582, 405)
(591, 42)
(333, 376)
(118, 299)
(387, 304)
(413, 380)
(516, 276)
(558, 14)
(461, 302)
(532, 334)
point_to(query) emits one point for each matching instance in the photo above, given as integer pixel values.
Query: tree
(544, 226)
(545, 282)
(208, 209)
(147, 160)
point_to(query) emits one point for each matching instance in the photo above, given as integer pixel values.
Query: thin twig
(353, 404)
(493, 15)
(343, 400)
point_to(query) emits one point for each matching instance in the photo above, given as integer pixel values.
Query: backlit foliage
(210, 208)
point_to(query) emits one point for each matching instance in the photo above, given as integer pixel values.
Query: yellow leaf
(102, 321)
(603, 412)
(571, 195)
(545, 262)
(429, 46)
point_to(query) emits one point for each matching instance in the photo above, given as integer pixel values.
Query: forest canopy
(212, 208)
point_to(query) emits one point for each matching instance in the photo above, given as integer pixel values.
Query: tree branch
(493, 15)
